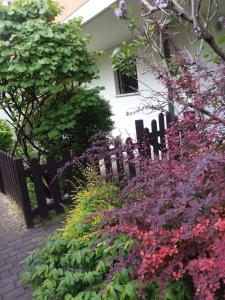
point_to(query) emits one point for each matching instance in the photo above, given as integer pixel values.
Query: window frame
(119, 80)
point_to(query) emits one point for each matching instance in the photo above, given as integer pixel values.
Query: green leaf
(221, 40)
(53, 134)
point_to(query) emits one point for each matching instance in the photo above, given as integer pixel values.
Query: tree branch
(199, 29)
(207, 113)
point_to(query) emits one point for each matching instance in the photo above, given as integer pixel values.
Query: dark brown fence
(151, 143)
(13, 182)
(50, 194)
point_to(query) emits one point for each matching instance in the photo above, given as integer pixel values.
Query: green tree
(70, 123)
(44, 65)
(6, 136)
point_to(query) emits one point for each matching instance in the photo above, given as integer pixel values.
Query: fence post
(36, 173)
(13, 185)
(155, 143)
(130, 156)
(23, 193)
(5, 170)
(146, 144)
(68, 172)
(162, 132)
(108, 164)
(2, 188)
(119, 159)
(139, 125)
(54, 184)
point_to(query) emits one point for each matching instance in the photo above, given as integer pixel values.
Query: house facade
(107, 33)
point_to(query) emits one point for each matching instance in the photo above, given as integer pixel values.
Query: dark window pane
(126, 84)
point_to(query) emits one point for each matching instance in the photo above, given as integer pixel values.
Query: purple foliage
(222, 21)
(162, 3)
(122, 10)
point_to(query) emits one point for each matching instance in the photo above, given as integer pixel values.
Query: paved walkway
(15, 242)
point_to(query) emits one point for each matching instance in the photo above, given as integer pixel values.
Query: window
(125, 84)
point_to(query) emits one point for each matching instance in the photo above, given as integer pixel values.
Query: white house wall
(107, 32)
(121, 104)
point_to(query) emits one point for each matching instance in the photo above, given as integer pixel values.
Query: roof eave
(89, 11)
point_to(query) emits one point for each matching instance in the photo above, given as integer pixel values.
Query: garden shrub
(72, 121)
(176, 215)
(6, 136)
(76, 263)
(75, 260)
(97, 195)
(71, 269)
(83, 261)
(164, 238)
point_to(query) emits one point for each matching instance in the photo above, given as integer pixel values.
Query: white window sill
(127, 95)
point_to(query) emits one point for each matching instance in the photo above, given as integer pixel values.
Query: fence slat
(155, 143)
(130, 157)
(2, 188)
(4, 171)
(54, 184)
(39, 188)
(13, 184)
(108, 164)
(147, 143)
(23, 193)
(68, 172)
(162, 131)
(119, 159)
(139, 125)
(8, 178)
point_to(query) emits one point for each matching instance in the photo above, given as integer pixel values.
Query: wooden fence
(14, 177)
(13, 182)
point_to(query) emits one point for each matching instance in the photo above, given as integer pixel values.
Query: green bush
(69, 123)
(97, 195)
(6, 136)
(79, 262)
(72, 263)
(70, 269)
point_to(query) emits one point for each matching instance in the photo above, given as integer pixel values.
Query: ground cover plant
(76, 263)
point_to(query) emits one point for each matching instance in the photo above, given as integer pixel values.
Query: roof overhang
(99, 21)
(90, 10)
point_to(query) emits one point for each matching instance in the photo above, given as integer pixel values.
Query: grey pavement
(15, 243)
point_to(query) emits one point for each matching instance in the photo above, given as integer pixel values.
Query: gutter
(90, 5)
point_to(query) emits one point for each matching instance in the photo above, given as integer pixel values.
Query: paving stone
(24, 297)
(6, 280)
(4, 274)
(14, 294)
(17, 243)
(7, 288)
(5, 267)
